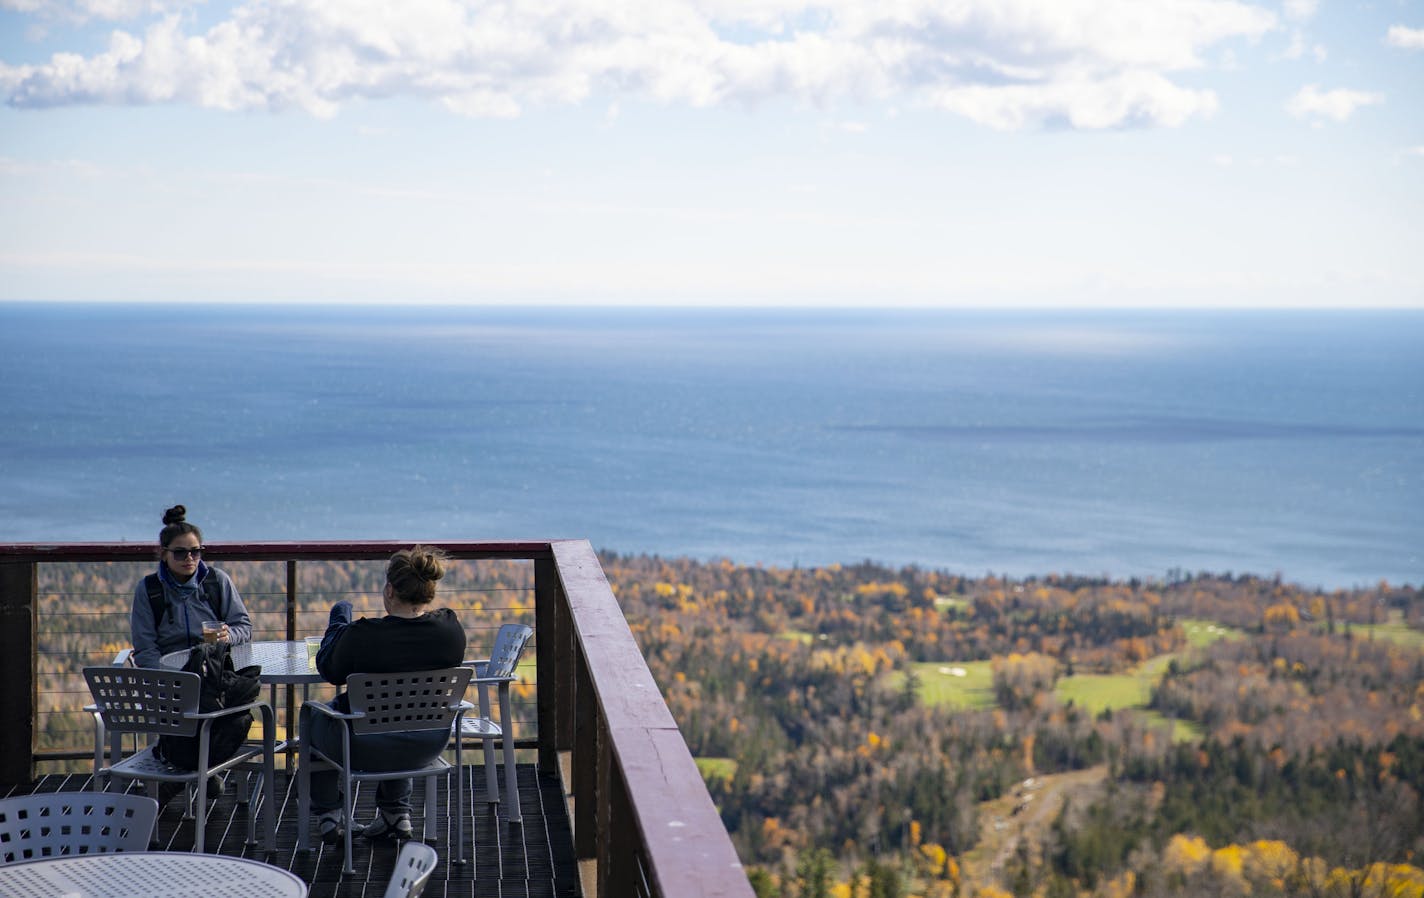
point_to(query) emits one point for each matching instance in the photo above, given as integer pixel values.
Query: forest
(876, 732)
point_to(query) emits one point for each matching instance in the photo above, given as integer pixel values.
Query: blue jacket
(182, 624)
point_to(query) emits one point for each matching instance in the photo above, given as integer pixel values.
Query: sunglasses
(182, 554)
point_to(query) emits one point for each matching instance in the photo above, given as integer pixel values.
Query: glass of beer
(211, 630)
(313, 643)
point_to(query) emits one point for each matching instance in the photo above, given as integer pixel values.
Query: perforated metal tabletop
(283, 663)
(148, 874)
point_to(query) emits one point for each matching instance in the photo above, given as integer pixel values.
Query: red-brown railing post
(587, 760)
(617, 830)
(19, 632)
(291, 635)
(551, 657)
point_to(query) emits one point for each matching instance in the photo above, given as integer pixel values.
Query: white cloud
(1338, 105)
(68, 167)
(79, 11)
(1006, 63)
(1299, 46)
(1408, 38)
(1300, 10)
(1128, 99)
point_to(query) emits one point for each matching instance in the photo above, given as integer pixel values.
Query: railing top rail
(275, 551)
(685, 842)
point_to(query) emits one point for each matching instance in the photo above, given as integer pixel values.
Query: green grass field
(970, 684)
(1182, 730)
(962, 684)
(1202, 633)
(958, 603)
(1394, 630)
(716, 768)
(1098, 692)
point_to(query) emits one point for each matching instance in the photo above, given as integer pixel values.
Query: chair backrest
(145, 700)
(414, 865)
(54, 824)
(399, 702)
(509, 644)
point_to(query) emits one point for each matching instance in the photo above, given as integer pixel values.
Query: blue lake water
(1119, 443)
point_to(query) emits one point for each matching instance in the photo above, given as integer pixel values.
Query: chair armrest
(124, 658)
(224, 712)
(492, 681)
(329, 711)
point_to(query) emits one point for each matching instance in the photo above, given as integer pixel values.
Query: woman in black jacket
(410, 637)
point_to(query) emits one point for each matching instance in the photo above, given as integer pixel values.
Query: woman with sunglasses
(169, 607)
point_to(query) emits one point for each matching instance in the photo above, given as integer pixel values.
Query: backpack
(223, 687)
(212, 591)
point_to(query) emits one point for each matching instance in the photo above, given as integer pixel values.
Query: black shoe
(388, 826)
(331, 826)
(217, 783)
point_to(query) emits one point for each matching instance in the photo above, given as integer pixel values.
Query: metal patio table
(283, 663)
(148, 874)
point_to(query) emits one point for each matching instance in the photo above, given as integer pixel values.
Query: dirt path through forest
(1023, 817)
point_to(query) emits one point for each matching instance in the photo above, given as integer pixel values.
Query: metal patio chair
(158, 702)
(497, 671)
(55, 824)
(414, 865)
(387, 703)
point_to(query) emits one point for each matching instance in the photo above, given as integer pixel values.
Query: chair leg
(269, 776)
(200, 811)
(348, 805)
(459, 858)
(246, 795)
(511, 810)
(491, 779)
(432, 796)
(303, 800)
(96, 782)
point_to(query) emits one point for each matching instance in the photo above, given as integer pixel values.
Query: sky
(942, 153)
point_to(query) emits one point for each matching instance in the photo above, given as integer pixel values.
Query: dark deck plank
(532, 860)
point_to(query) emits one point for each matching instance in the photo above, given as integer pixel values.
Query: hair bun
(175, 515)
(427, 564)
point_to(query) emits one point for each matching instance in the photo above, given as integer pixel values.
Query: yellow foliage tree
(932, 858)
(1121, 887)
(1226, 866)
(1185, 854)
(1267, 864)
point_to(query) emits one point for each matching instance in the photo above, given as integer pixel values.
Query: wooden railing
(643, 822)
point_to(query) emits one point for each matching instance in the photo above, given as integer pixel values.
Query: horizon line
(704, 306)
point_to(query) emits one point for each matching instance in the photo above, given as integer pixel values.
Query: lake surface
(1119, 443)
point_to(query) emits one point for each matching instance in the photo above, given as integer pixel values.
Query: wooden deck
(532, 860)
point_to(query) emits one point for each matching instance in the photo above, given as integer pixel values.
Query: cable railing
(82, 628)
(643, 822)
